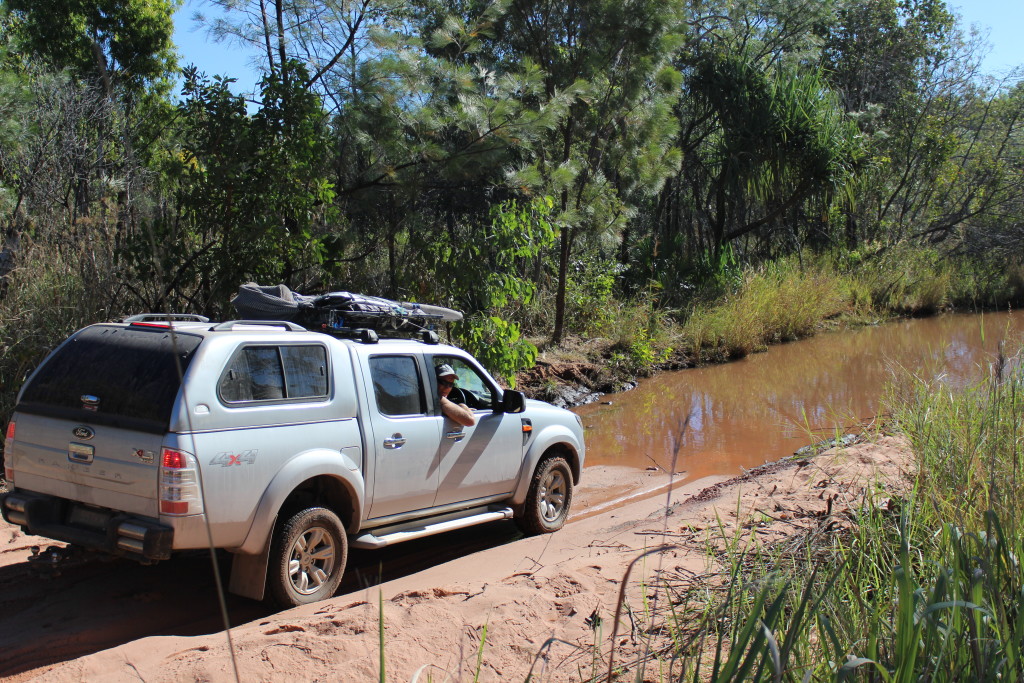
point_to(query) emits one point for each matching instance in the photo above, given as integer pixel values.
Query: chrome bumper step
(407, 531)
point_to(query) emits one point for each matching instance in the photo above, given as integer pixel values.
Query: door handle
(394, 441)
(455, 436)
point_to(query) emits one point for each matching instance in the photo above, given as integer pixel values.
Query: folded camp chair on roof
(277, 302)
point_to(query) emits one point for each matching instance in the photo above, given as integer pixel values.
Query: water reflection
(762, 407)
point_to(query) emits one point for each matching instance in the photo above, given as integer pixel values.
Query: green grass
(790, 298)
(780, 302)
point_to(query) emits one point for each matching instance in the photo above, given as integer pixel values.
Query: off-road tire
(548, 500)
(307, 558)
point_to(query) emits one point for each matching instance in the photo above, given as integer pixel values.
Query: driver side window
(477, 392)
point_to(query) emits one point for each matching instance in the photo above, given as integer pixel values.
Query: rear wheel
(307, 558)
(547, 503)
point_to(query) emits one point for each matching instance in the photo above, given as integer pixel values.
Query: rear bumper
(117, 533)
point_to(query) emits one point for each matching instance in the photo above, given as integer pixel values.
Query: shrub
(47, 297)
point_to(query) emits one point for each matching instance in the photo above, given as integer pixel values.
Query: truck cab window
(397, 386)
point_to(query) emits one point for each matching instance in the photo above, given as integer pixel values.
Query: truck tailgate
(99, 465)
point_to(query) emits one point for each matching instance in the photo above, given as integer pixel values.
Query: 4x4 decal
(228, 459)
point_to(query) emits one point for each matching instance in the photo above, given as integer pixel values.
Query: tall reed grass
(779, 302)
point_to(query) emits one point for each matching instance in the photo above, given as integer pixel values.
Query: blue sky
(1003, 20)
(195, 47)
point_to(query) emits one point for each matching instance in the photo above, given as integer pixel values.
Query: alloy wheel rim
(311, 561)
(552, 496)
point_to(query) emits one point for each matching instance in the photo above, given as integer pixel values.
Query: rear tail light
(179, 483)
(9, 453)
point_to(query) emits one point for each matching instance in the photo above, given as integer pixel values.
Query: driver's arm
(458, 412)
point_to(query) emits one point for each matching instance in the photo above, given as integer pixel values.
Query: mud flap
(249, 573)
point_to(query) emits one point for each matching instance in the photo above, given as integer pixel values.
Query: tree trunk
(563, 272)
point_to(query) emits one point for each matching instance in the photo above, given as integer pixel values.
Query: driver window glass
(396, 385)
(470, 382)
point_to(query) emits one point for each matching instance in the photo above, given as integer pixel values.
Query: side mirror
(512, 402)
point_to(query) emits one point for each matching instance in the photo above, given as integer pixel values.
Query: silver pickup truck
(281, 445)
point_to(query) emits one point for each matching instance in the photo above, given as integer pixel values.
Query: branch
(337, 55)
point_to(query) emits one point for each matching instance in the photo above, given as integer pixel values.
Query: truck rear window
(275, 373)
(127, 377)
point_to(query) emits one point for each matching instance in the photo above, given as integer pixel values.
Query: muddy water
(768, 405)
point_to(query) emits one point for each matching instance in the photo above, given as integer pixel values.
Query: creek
(735, 416)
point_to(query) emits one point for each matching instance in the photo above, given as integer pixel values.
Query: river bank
(754, 309)
(542, 606)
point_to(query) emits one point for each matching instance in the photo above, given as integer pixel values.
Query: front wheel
(547, 502)
(307, 558)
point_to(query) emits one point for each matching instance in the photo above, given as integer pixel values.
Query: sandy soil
(538, 604)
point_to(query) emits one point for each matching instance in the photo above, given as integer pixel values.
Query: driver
(453, 400)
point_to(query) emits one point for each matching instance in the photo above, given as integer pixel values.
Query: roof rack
(384, 325)
(367, 335)
(363, 335)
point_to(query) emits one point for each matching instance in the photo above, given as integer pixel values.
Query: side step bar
(407, 531)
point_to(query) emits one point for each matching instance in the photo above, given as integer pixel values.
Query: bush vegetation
(782, 300)
(651, 193)
(731, 176)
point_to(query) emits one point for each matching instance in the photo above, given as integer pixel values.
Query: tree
(780, 138)
(481, 273)
(331, 38)
(902, 72)
(119, 43)
(248, 197)
(766, 146)
(605, 65)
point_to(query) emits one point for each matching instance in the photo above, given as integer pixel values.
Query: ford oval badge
(83, 432)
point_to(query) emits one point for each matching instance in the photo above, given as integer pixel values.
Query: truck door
(483, 460)
(405, 437)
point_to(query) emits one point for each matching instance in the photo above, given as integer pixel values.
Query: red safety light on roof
(161, 325)
(174, 460)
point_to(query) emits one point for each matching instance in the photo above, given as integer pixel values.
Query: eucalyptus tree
(907, 77)
(983, 207)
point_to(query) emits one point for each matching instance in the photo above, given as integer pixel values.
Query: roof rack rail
(231, 324)
(164, 317)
